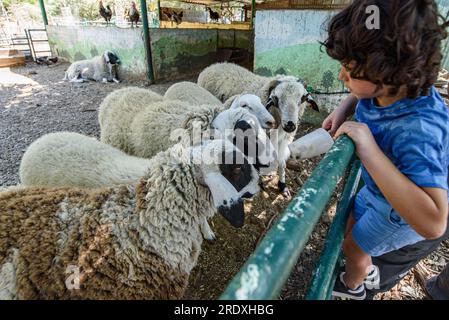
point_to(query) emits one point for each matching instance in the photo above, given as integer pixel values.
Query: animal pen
(164, 50)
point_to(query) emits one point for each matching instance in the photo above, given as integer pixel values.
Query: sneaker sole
(348, 296)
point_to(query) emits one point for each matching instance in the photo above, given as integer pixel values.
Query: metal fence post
(44, 13)
(146, 39)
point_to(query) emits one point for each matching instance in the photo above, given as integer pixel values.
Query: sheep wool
(225, 80)
(191, 93)
(111, 243)
(117, 111)
(71, 159)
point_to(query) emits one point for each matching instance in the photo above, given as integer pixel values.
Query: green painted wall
(303, 60)
(178, 53)
(287, 42)
(76, 43)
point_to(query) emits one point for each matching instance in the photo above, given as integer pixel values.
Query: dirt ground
(34, 101)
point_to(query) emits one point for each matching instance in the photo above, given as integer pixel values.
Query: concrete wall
(286, 41)
(77, 43)
(176, 53)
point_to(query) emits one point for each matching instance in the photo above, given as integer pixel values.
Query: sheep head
(244, 130)
(225, 171)
(287, 94)
(254, 105)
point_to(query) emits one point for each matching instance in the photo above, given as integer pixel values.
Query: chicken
(106, 13)
(213, 15)
(132, 15)
(177, 17)
(46, 60)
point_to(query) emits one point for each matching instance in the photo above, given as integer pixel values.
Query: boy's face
(362, 89)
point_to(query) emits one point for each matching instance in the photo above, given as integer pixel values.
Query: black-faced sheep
(122, 242)
(283, 95)
(67, 159)
(99, 68)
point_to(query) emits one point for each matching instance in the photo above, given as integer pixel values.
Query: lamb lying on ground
(122, 242)
(99, 68)
(66, 159)
(283, 95)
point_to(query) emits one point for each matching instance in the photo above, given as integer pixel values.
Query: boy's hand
(334, 120)
(340, 114)
(360, 133)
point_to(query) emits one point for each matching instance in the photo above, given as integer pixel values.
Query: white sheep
(195, 95)
(118, 110)
(254, 105)
(124, 242)
(99, 68)
(160, 125)
(283, 95)
(191, 93)
(67, 159)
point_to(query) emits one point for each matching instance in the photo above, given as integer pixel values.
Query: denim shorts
(379, 229)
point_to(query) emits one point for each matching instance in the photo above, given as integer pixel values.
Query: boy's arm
(424, 209)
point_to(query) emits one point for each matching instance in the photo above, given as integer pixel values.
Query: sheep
(191, 93)
(99, 68)
(117, 111)
(254, 105)
(161, 124)
(282, 95)
(70, 159)
(122, 242)
(67, 159)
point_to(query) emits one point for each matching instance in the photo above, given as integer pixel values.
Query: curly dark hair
(405, 50)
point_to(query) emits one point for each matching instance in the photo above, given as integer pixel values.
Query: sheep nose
(270, 124)
(290, 127)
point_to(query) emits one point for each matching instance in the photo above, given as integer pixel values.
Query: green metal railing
(268, 268)
(43, 12)
(326, 271)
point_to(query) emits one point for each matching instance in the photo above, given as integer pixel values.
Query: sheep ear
(273, 85)
(301, 81)
(226, 199)
(311, 103)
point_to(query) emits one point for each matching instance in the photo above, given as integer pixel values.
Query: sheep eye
(245, 106)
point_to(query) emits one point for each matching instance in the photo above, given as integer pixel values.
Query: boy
(402, 133)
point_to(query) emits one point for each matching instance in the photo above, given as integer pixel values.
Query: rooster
(177, 17)
(106, 13)
(213, 15)
(132, 15)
